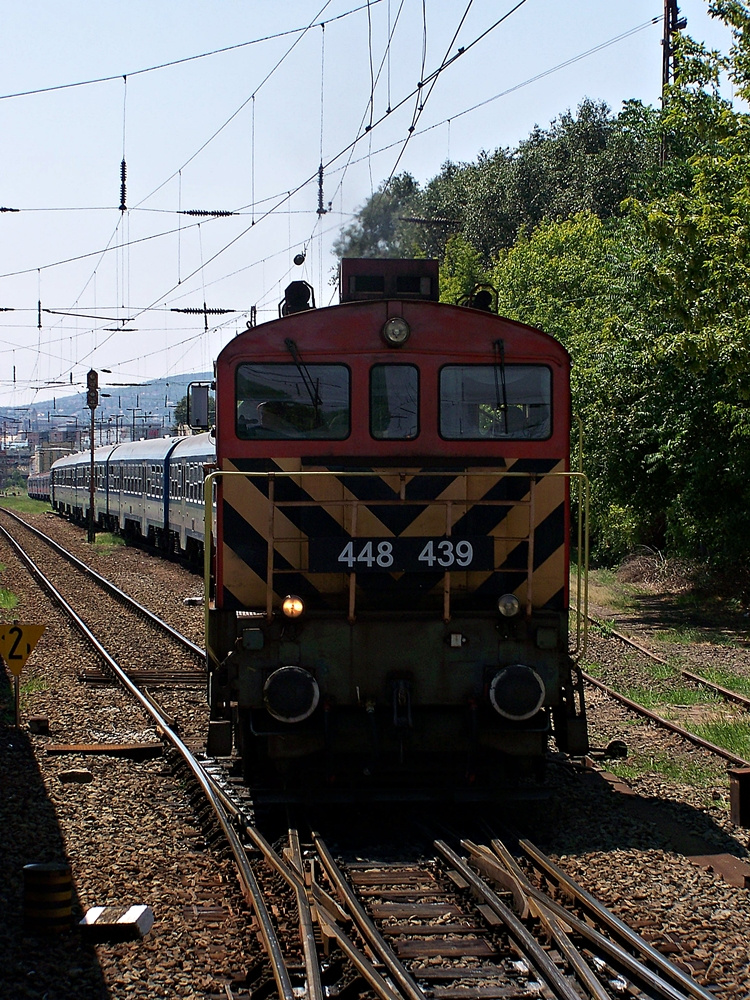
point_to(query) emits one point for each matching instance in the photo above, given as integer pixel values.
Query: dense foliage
(627, 237)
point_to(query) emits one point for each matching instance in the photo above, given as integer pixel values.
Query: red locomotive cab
(399, 467)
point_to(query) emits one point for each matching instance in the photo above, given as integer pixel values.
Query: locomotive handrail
(582, 555)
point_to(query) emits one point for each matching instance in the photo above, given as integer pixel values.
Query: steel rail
(327, 912)
(612, 922)
(294, 877)
(251, 889)
(111, 588)
(489, 864)
(315, 989)
(367, 928)
(666, 724)
(365, 967)
(628, 641)
(321, 898)
(614, 951)
(530, 947)
(728, 695)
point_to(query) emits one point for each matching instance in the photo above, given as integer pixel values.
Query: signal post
(92, 401)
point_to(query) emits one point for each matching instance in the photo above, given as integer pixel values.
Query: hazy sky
(245, 130)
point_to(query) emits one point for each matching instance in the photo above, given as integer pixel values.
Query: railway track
(319, 917)
(660, 720)
(96, 585)
(717, 689)
(468, 922)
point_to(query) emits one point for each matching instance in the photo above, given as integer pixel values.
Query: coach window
(495, 402)
(296, 401)
(394, 399)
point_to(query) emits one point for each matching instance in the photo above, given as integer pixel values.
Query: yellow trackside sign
(17, 643)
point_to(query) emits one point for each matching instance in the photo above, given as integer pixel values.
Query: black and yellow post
(47, 898)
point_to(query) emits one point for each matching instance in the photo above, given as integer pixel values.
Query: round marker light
(508, 605)
(396, 331)
(292, 606)
(517, 692)
(291, 694)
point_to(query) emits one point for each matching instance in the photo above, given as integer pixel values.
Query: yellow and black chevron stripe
(291, 509)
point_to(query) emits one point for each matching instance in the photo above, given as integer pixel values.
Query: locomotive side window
(508, 402)
(394, 398)
(298, 401)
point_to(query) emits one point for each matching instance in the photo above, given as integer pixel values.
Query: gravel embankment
(126, 828)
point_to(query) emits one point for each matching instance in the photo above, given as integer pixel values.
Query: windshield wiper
(498, 349)
(307, 379)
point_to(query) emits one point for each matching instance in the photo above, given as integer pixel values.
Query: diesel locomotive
(387, 589)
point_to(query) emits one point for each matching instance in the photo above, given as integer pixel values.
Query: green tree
(381, 227)
(588, 161)
(181, 412)
(461, 270)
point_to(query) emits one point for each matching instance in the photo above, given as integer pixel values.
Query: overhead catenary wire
(175, 62)
(279, 198)
(332, 161)
(432, 79)
(244, 104)
(553, 69)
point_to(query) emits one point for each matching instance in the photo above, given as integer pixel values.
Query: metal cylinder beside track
(517, 692)
(291, 694)
(47, 898)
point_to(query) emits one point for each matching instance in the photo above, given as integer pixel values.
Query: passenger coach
(150, 490)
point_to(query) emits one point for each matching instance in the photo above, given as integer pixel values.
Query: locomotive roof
(338, 325)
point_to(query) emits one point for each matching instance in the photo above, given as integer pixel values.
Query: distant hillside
(156, 399)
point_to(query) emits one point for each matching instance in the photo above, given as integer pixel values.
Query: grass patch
(593, 669)
(32, 685)
(732, 736)
(106, 542)
(732, 682)
(654, 698)
(687, 772)
(661, 671)
(8, 599)
(24, 504)
(605, 589)
(689, 634)
(602, 628)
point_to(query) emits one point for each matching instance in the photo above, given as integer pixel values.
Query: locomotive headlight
(292, 606)
(508, 605)
(396, 331)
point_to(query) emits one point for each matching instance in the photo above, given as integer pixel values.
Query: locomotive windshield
(474, 405)
(307, 402)
(394, 392)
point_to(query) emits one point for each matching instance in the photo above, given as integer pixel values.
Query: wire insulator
(219, 212)
(321, 210)
(197, 311)
(123, 189)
